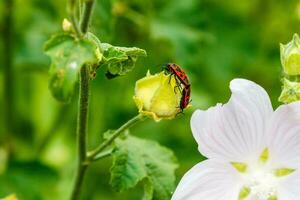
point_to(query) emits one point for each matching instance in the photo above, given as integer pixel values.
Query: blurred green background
(213, 40)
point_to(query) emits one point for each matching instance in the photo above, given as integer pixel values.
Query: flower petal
(289, 187)
(284, 136)
(209, 180)
(234, 131)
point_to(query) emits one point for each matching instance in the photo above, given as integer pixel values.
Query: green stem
(94, 153)
(86, 15)
(81, 132)
(83, 100)
(103, 155)
(9, 81)
(80, 8)
(72, 14)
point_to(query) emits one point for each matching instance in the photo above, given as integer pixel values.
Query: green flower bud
(67, 25)
(290, 56)
(157, 96)
(290, 91)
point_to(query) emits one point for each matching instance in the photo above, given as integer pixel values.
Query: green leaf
(68, 55)
(93, 38)
(137, 159)
(120, 60)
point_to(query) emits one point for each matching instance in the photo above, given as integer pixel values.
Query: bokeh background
(213, 40)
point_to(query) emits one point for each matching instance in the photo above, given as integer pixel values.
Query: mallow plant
(76, 54)
(252, 150)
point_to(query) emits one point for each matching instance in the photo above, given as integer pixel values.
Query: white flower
(253, 152)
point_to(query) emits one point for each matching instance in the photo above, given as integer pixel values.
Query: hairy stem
(8, 35)
(93, 154)
(86, 15)
(83, 99)
(81, 132)
(72, 14)
(103, 155)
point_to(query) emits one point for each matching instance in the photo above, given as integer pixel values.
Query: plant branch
(94, 153)
(103, 155)
(81, 131)
(86, 15)
(80, 7)
(72, 14)
(83, 98)
(8, 34)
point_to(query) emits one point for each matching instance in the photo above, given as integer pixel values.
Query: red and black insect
(185, 98)
(181, 78)
(178, 72)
